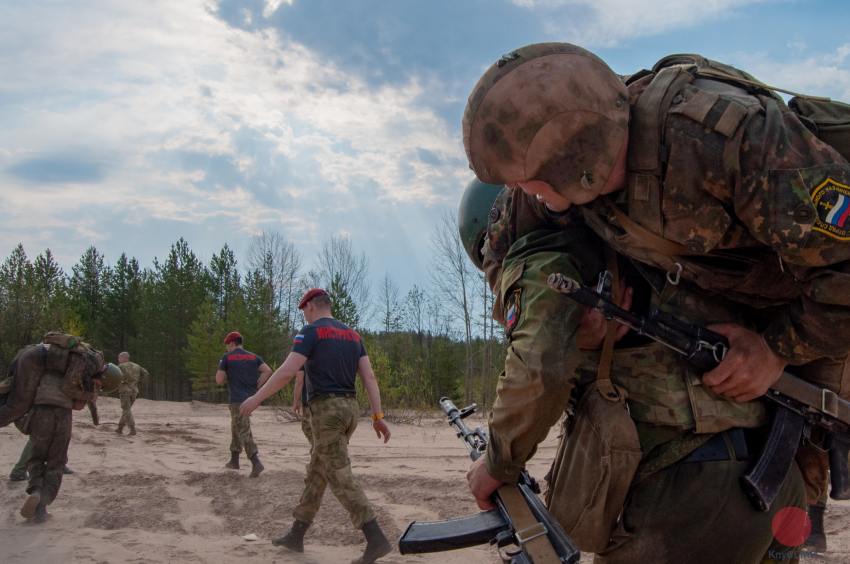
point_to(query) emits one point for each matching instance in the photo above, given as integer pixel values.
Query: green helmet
(110, 378)
(472, 217)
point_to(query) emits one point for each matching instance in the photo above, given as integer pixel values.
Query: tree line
(432, 340)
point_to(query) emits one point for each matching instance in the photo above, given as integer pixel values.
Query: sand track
(164, 495)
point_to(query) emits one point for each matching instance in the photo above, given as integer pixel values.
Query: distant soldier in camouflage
(128, 390)
(244, 372)
(720, 206)
(332, 354)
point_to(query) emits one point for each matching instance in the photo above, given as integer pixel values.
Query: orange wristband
(377, 416)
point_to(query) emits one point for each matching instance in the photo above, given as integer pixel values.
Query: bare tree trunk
(453, 277)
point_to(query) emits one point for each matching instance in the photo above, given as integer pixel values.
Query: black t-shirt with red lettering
(243, 372)
(333, 351)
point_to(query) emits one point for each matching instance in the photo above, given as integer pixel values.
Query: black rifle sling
(530, 533)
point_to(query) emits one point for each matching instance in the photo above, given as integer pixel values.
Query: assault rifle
(520, 518)
(800, 406)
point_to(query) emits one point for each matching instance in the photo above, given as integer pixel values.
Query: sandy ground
(164, 495)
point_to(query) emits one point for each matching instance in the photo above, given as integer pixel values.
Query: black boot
(377, 544)
(41, 514)
(817, 538)
(66, 470)
(294, 539)
(18, 475)
(256, 465)
(234, 461)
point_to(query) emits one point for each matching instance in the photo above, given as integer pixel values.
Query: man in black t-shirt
(332, 354)
(244, 372)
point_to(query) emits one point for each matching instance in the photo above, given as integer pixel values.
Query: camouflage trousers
(127, 400)
(329, 426)
(50, 433)
(26, 454)
(240, 432)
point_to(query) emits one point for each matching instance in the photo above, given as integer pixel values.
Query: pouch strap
(649, 239)
(603, 373)
(530, 533)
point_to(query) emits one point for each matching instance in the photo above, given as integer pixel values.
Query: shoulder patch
(513, 311)
(832, 202)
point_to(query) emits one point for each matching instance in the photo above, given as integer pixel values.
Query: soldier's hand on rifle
(481, 483)
(591, 331)
(749, 368)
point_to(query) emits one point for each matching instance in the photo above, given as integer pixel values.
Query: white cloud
(141, 81)
(607, 22)
(271, 6)
(819, 74)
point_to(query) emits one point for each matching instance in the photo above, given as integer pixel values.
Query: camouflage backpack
(827, 119)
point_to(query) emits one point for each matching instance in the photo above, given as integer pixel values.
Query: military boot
(817, 538)
(120, 429)
(234, 461)
(132, 431)
(18, 475)
(41, 514)
(294, 539)
(30, 505)
(256, 465)
(66, 470)
(377, 544)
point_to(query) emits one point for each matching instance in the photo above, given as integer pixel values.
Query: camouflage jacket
(515, 214)
(757, 205)
(132, 374)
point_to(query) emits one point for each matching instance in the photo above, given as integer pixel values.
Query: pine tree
(122, 301)
(86, 291)
(18, 304)
(172, 295)
(343, 307)
(225, 284)
(203, 351)
(49, 283)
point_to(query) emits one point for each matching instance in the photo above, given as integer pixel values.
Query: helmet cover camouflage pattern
(549, 111)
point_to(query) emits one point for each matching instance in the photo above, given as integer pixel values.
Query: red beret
(232, 336)
(309, 295)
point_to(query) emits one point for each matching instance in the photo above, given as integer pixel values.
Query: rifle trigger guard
(532, 532)
(675, 277)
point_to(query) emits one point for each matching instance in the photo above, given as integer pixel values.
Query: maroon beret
(309, 295)
(232, 336)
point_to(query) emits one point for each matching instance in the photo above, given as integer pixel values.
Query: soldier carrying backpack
(723, 205)
(46, 381)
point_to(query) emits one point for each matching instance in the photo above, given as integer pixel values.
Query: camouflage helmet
(472, 217)
(549, 111)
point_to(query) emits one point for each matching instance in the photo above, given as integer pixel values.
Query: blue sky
(127, 125)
